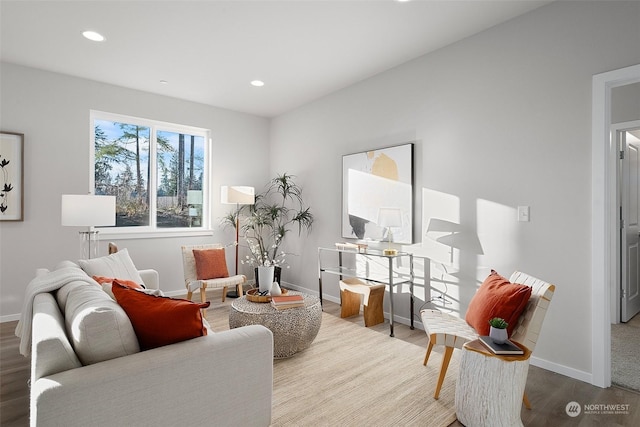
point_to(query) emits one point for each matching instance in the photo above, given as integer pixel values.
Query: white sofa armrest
(150, 278)
(222, 379)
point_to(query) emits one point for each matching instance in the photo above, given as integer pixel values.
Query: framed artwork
(375, 180)
(11, 176)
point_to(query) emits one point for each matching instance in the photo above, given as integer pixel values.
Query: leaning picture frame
(373, 180)
(11, 176)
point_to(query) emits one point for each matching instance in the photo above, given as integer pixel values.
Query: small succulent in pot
(498, 323)
(498, 330)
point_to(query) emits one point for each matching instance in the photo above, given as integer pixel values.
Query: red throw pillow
(159, 321)
(210, 263)
(497, 297)
(130, 283)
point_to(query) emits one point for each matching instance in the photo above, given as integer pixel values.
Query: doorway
(625, 302)
(604, 224)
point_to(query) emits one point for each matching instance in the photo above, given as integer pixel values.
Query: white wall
(625, 103)
(52, 110)
(500, 119)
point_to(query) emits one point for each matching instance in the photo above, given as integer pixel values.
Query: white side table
(490, 387)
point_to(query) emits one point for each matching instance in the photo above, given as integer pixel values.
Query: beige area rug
(353, 376)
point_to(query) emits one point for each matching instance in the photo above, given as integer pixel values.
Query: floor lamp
(87, 210)
(237, 195)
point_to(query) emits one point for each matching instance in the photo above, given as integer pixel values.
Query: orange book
(287, 299)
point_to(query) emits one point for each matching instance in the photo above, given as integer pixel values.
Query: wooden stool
(354, 292)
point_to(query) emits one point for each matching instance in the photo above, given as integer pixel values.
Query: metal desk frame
(394, 278)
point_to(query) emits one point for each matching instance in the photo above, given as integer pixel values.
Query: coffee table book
(506, 348)
(287, 301)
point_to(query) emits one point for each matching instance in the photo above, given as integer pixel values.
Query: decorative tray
(252, 295)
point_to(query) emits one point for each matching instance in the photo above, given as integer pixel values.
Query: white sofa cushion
(118, 265)
(97, 326)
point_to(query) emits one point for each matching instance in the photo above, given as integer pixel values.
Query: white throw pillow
(118, 265)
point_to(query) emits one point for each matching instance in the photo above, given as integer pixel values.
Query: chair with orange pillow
(453, 332)
(205, 267)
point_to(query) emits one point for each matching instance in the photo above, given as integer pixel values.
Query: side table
(490, 387)
(293, 329)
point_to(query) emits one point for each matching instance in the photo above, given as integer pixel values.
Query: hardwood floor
(548, 392)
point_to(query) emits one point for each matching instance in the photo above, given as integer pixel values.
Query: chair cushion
(159, 321)
(210, 263)
(98, 328)
(497, 297)
(117, 265)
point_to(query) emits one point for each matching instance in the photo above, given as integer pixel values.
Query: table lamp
(390, 217)
(88, 210)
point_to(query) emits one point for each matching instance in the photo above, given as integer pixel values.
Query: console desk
(373, 259)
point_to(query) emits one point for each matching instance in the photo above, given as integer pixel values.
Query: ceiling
(209, 51)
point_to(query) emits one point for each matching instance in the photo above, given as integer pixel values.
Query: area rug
(625, 341)
(353, 376)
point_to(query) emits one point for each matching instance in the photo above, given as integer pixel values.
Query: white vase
(265, 278)
(499, 336)
(275, 289)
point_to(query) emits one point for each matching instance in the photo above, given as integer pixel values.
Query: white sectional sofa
(86, 370)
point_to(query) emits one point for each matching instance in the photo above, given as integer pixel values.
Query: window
(157, 171)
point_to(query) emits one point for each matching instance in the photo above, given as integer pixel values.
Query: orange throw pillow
(130, 283)
(159, 321)
(497, 297)
(210, 263)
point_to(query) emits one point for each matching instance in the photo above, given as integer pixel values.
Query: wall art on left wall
(11, 176)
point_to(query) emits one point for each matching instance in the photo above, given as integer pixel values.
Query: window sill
(156, 234)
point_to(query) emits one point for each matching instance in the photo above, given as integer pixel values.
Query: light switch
(523, 213)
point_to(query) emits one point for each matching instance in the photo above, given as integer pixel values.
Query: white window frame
(152, 230)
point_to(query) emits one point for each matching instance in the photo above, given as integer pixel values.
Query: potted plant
(276, 211)
(498, 330)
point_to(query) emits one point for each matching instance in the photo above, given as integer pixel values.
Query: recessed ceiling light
(93, 36)
(257, 83)
(164, 82)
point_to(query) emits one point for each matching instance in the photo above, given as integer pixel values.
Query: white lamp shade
(88, 210)
(194, 197)
(390, 217)
(240, 195)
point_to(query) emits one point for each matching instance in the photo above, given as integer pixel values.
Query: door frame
(603, 218)
(616, 293)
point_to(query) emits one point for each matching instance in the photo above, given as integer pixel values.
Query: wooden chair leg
(239, 289)
(448, 351)
(189, 295)
(426, 357)
(224, 293)
(525, 400)
(203, 298)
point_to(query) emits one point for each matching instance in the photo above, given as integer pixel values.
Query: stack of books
(285, 302)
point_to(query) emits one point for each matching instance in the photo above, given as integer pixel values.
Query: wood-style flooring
(548, 392)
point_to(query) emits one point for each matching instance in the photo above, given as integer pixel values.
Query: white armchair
(192, 282)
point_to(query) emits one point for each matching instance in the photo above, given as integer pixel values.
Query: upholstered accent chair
(453, 332)
(192, 282)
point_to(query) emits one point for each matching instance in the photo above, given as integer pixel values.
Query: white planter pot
(498, 336)
(265, 278)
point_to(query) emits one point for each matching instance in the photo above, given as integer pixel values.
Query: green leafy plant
(498, 323)
(277, 210)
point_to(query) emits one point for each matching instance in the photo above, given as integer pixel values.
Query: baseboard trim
(9, 318)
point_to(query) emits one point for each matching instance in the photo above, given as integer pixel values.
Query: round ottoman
(294, 329)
